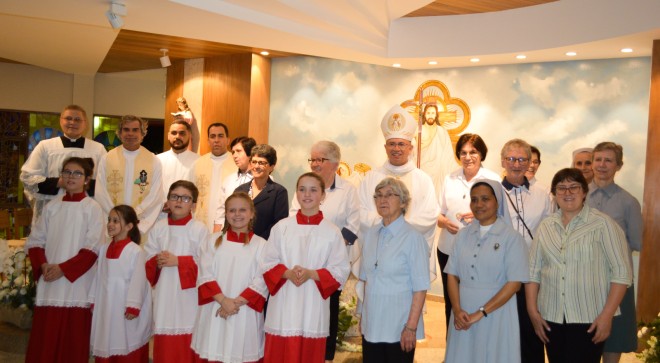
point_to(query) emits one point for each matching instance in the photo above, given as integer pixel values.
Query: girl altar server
(305, 261)
(172, 259)
(63, 247)
(232, 291)
(120, 294)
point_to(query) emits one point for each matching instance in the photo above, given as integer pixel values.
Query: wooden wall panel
(259, 99)
(173, 90)
(227, 94)
(648, 295)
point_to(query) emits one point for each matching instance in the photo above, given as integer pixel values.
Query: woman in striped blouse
(579, 272)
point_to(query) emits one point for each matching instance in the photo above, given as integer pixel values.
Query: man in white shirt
(528, 206)
(178, 160)
(398, 127)
(207, 173)
(130, 174)
(40, 174)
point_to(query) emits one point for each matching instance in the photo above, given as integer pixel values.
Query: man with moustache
(178, 160)
(207, 173)
(398, 127)
(528, 206)
(40, 174)
(130, 174)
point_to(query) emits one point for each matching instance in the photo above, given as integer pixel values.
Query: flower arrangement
(346, 321)
(650, 332)
(17, 288)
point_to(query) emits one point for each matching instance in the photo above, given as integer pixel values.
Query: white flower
(23, 307)
(19, 280)
(23, 291)
(19, 265)
(13, 292)
(20, 256)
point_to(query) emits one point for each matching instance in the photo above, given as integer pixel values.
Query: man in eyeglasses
(528, 206)
(399, 127)
(132, 175)
(40, 174)
(208, 174)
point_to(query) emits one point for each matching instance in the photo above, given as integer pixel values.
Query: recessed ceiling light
(571, 54)
(433, 63)
(396, 65)
(521, 56)
(264, 53)
(474, 60)
(626, 50)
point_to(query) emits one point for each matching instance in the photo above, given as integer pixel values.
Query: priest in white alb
(208, 173)
(178, 160)
(130, 174)
(398, 127)
(40, 174)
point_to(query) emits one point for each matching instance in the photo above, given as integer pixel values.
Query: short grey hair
(515, 143)
(399, 188)
(329, 148)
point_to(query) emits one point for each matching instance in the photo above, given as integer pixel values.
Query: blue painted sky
(556, 106)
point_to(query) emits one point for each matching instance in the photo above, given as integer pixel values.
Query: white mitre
(398, 124)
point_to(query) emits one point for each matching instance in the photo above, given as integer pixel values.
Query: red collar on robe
(75, 197)
(303, 219)
(179, 222)
(115, 248)
(237, 237)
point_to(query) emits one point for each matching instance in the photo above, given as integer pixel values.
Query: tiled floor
(432, 349)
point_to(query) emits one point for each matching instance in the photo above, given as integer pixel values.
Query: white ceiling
(73, 36)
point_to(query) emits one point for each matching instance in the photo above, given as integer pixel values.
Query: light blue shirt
(395, 264)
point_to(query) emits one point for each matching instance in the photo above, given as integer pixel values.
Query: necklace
(386, 239)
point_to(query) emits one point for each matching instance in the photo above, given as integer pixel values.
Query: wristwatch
(483, 311)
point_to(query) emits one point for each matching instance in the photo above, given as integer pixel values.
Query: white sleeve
(35, 169)
(138, 286)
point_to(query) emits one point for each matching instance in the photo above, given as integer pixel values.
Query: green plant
(650, 332)
(346, 321)
(18, 288)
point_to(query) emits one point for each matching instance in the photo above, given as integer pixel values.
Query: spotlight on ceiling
(165, 59)
(114, 15)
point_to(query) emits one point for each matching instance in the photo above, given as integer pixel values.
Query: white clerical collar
(129, 153)
(400, 170)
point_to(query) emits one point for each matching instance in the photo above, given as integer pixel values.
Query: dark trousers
(570, 343)
(331, 340)
(531, 347)
(385, 353)
(442, 258)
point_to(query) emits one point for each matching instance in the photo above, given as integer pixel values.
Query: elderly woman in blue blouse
(489, 259)
(395, 269)
(579, 272)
